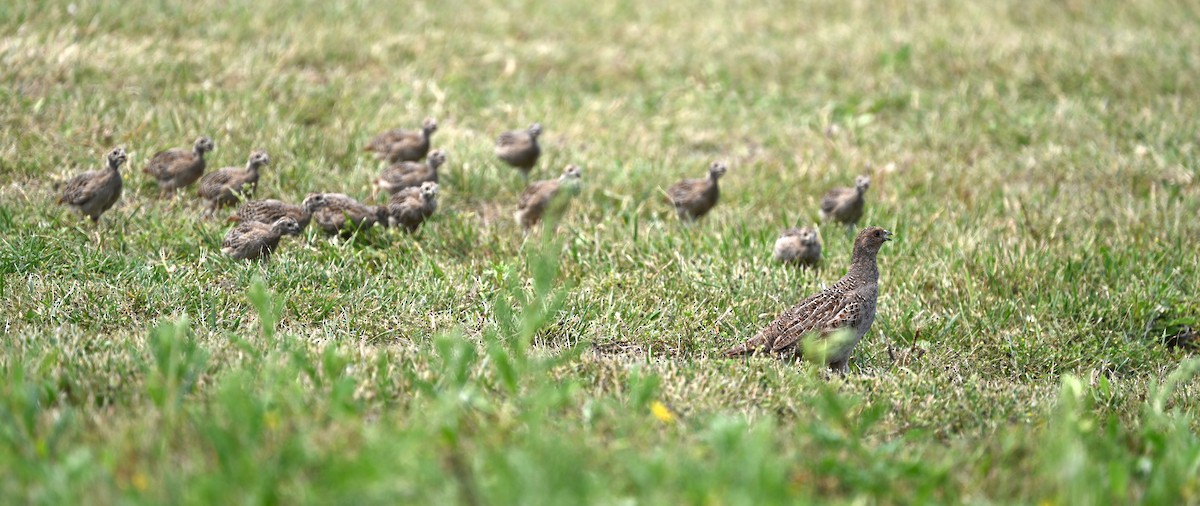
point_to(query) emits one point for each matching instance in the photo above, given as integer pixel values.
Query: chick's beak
(887, 236)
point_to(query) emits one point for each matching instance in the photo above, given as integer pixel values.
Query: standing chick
(412, 206)
(179, 167)
(403, 145)
(520, 148)
(694, 198)
(343, 215)
(539, 195)
(271, 210)
(252, 240)
(224, 187)
(845, 205)
(846, 307)
(408, 174)
(799, 246)
(94, 192)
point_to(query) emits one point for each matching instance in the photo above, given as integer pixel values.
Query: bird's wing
(683, 190)
(831, 199)
(162, 161)
(80, 189)
(537, 192)
(822, 317)
(508, 139)
(382, 141)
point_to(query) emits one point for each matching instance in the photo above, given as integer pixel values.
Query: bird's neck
(863, 263)
(113, 166)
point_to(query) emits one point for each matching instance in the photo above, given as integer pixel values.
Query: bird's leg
(840, 366)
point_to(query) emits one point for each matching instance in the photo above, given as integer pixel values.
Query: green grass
(1037, 162)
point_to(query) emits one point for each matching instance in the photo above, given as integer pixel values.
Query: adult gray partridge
(845, 205)
(409, 174)
(410, 207)
(251, 240)
(343, 215)
(520, 148)
(226, 186)
(271, 210)
(538, 196)
(846, 308)
(799, 246)
(94, 192)
(177, 168)
(403, 145)
(694, 198)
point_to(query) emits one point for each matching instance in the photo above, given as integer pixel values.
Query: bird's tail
(750, 347)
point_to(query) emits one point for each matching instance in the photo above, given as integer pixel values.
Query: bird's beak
(887, 236)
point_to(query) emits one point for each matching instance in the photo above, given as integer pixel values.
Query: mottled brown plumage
(538, 196)
(403, 145)
(252, 240)
(845, 205)
(694, 198)
(94, 192)
(226, 186)
(799, 246)
(846, 307)
(180, 167)
(271, 210)
(520, 148)
(343, 215)
(409, 174)
(410, 207)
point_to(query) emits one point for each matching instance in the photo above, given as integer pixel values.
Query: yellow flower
(662, 412)
(140, 481)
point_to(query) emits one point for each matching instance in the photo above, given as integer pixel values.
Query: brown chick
(409, 174)
(226, 186)
(343, 215)
(845, 205)
(520, 148)
(179, 167)
(271, 210)
(694, 198)
(94, 192)
(252, 240)
(403, 145)
(539, 195)
(799, 246)
(410, 207)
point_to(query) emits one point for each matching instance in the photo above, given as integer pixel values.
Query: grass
(1037, 163)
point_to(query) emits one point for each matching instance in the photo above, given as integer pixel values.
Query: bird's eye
(876, 234)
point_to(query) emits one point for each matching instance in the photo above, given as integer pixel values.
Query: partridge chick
(224, 187)
(520, 148)
(694, 198)
(251, 240)
(270, 210)
(539, 195)
(179, 167)
(412, 206)
(845, 205)
(342, 215)
(847, 306)
(94, 192)
(799, 246)
(403, 145)
(408, 174)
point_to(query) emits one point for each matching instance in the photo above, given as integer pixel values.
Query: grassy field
(1037, 162)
